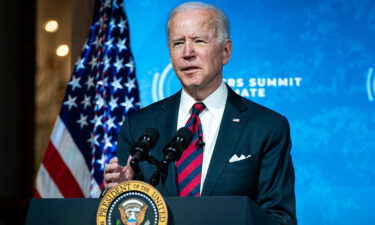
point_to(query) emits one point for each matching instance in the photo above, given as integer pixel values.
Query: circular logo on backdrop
(370, 84)
(132, 203)
(164, 84)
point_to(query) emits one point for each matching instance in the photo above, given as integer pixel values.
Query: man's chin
(192, 85)
(190, 80)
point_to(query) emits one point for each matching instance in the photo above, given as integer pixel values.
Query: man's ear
(227, 51)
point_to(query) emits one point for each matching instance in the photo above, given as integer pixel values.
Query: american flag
(101, 92)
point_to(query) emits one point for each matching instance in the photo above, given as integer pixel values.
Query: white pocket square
(235, 158)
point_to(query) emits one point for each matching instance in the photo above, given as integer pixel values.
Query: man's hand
(115, 173)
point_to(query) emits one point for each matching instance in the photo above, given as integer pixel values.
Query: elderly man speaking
(239, 147)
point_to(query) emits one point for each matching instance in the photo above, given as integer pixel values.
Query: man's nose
(189, 52)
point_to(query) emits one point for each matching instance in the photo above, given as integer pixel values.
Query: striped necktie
(189, 167)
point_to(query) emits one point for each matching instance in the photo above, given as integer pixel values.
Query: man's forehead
(194, 15)
(195, 22)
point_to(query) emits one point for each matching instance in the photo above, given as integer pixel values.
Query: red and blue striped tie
(189, 167)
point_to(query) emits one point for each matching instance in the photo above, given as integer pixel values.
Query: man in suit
(246, 149)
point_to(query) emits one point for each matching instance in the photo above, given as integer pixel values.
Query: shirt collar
(215, 102)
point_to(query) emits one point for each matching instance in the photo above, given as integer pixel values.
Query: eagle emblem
(132, 211)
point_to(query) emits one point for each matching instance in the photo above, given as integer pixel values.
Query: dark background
(17, 74)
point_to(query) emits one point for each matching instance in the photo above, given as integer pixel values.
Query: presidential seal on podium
(132, 203)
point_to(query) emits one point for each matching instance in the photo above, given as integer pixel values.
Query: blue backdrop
(312, 61)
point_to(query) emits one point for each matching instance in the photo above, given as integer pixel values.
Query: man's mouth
(190, 68)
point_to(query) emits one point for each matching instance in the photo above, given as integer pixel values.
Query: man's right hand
(115, 173)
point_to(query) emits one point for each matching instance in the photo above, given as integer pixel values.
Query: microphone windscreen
(185, 134)
(153, 134)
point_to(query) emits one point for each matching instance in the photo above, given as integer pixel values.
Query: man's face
(196, 53)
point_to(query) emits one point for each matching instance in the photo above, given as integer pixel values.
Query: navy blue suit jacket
(267, 177)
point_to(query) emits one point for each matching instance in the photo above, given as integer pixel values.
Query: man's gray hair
(222, 21)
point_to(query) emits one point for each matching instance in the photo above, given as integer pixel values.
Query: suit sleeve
(276, 178)
(124, 143)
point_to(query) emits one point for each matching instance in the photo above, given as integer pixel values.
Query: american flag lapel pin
(236, 120)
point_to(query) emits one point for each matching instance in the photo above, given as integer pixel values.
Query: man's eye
(199, 41)
(178, 43)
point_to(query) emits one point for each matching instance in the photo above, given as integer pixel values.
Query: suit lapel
(231, 127)
(166, 122)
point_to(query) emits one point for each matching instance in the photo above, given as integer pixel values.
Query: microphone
(173, 151)
(139, 151)
(200, 143)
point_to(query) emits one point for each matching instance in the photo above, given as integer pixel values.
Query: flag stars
(128, 103)
(122, 25)
(109, 43)
(107, 4)
(97, 42)
(93, 62)
(103, 82)
(100, 102)
(107, 141)
(101, 162)
(130, 65)
(112, 24)
(75, 82)
(90, 82)
(121, 45)
(80, 64)
(71, 102)
(97, 121)
(86, 46)
(82, 121)
(116, 83)
(107, 64)
(93, 140)
(130, 84)
(111, 123)
(113, 103)
(86, 101)
(118, 64)
(114, 4)
(102, 20)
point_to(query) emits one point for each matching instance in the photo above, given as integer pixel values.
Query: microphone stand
(161, 172)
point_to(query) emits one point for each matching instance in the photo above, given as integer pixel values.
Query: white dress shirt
(210, 121)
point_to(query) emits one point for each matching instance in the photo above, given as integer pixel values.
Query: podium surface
(182, 211)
